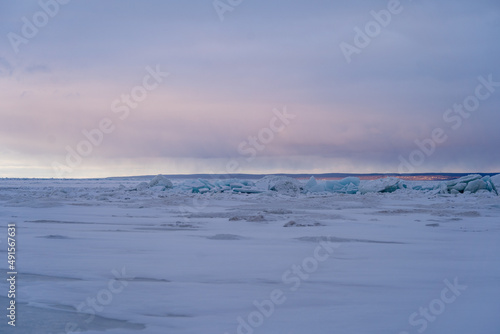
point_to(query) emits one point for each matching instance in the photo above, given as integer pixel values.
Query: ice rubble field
(237, 256)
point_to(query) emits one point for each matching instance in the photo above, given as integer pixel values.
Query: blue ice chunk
(350, 179)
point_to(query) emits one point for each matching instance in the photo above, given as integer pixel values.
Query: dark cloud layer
(227, 77)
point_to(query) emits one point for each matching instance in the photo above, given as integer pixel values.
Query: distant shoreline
(301, 176)
(323, 176)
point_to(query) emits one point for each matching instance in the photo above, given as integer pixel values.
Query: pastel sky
(360, 83)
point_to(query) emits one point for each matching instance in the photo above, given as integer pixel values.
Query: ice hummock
(470, 184)
(161, 181)
(385, 185)
(348, 185)
(279, 184)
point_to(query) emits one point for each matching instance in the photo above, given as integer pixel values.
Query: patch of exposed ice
(225, 237)
(348, 185)
(385, 185)
(470, 184)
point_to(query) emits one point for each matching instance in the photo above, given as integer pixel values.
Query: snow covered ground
(95, 255)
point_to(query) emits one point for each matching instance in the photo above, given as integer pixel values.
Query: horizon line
(234, 175)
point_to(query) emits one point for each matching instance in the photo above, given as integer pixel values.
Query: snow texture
(109, 256)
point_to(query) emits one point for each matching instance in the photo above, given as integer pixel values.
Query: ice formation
(225, 185)
(495, 180)
(281, 184)
(348, 185)
(161, 181)
(470, 184)
(278, 184)
(385, 185)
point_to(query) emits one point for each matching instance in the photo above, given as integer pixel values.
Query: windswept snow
(270, 256)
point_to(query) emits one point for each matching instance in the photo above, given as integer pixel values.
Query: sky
(114, 88)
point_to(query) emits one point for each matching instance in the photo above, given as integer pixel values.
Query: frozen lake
(94, 256)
